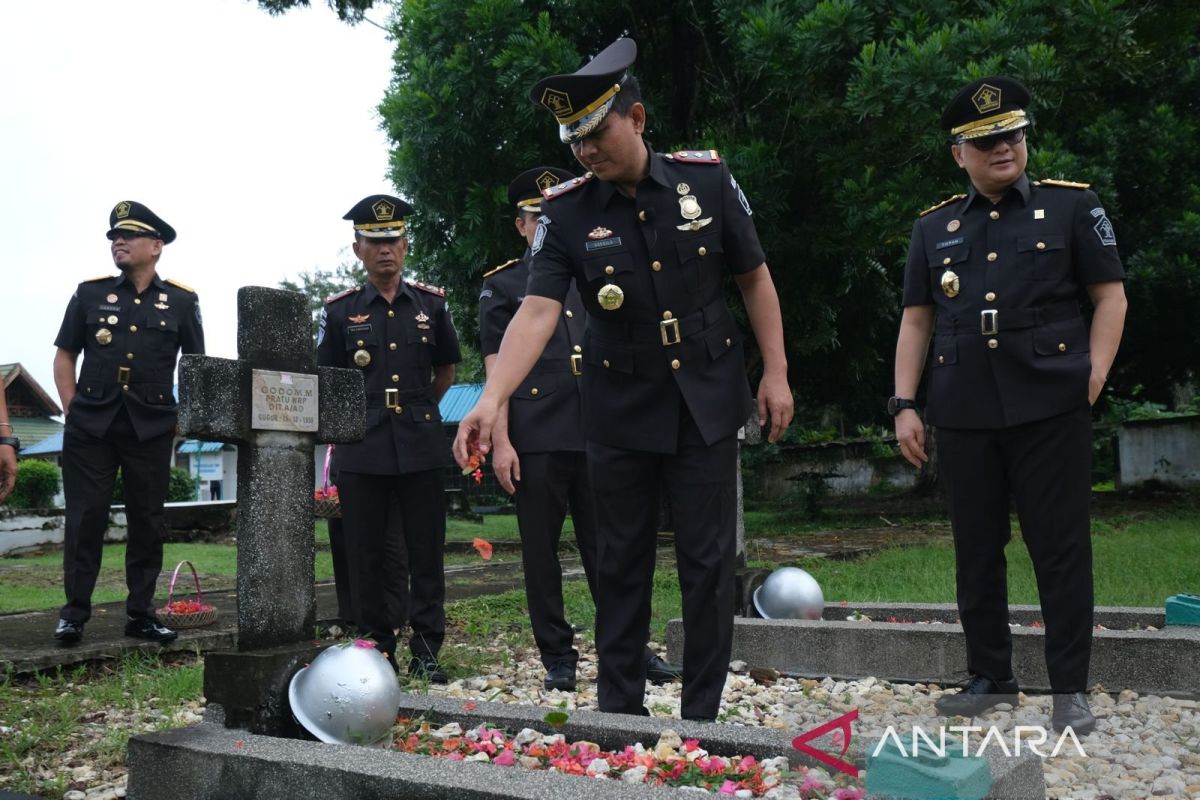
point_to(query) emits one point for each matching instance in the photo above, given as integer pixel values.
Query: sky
(250, 134)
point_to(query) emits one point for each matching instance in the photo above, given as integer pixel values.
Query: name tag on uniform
(600, 244)
(109, 308)
(359, 328)
(948, 243)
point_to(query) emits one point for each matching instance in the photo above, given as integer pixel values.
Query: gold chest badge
(610, 297)
(422, 321)
(362, 358)
(689, 209)
(104, 337)
(950, 283)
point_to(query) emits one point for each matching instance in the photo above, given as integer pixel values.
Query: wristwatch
(897, 404)
(12, 442)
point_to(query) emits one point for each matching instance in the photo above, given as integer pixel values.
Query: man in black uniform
(648, 238)
(994, 278)
(399, 333)
(538, 449)
(121, 413)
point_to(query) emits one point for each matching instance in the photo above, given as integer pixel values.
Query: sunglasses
(985, 144)
(129, 235)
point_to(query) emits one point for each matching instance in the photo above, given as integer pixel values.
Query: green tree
(319, 285)
(351, 11)
(828, 114)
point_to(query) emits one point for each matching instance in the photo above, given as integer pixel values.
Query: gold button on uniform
(162, 323)
(995, 215)
(133, 328)
(1041, 245)
(674, 363)
(990, 296)
(360, 343)
(578, 349)
(392, 346)
(941, 359)
(605, 362)
(667, 315)
(946, 260)
(129, 356)
(125, 387)
(1062, 347)
(570, 313)
(137, 301)
(534, 391)
(992, 343)
(703, 251)
(428, 417)
(391, 313)
(395, 379)
(609, 270)
(728, 342)
(992, 256)
(424, 340)
(656, 265)
(642, 216)
(399, 409)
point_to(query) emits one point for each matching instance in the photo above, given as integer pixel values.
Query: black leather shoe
(426, 668)
(979, 695)
(69, 631)
(1072, 711)
(560, 675)
(659, 671)
(149, 628)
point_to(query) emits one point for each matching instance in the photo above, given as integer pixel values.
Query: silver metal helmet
(789, 593)
(347, 695)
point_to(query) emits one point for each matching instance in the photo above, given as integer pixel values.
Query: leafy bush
(37, 483)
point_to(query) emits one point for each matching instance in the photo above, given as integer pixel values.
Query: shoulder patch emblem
(694, 157)
(1064, 184)
(98, 278)
(426, 287)
(503, 266)
(1103, 228)
(342, 294)
(566, 186)
(945, 202)
(179, 285)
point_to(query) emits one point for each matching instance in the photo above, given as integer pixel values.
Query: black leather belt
(391, 398)
(126, 376)
(992, 321)
(670, 331)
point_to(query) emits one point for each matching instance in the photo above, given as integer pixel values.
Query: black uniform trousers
(552, 483)
(701, 484)
(89, 468)
(421, 499)
(1045, 466)
(395, 588)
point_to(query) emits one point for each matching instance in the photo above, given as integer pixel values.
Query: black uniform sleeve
(494, 316)
(446, 351)
(743, 252)
(191, 330)
(71, 333)
(1094, 243)
(917, 291)
(330, 352)
(550, 269)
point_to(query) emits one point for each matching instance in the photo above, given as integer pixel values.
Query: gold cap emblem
(383, 210)
(558, 102)
(122, 209)
(362, 358)
(546, 180)
(610, 297)
(104, 337)
(950, 283)
(986, 98)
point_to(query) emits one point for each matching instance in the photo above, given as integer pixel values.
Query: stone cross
(274, 403)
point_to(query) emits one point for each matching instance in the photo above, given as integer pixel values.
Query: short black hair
(631, 93)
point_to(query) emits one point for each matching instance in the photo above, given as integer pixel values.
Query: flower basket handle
(195, 578)
(325, 474)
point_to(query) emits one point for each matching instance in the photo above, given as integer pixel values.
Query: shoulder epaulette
(694, 157)
(503, 266)
(559, 189)
(1065, 184)
(945, 202)
(99, 278)
(179, 285)
(342, 294)
(426, 287)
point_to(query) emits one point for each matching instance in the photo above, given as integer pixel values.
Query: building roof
(26, 397)
(458, 402)
(48, 446)
(196, 446)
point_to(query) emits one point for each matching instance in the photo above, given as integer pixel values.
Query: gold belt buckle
(669, 328)
(577, 364)
(391, 398)
(988, 322)
(123, 375)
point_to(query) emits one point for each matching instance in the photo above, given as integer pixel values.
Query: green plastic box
(1183, 609)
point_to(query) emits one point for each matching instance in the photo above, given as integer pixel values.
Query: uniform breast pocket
(1061, 340)
(944, 352)
(947, 269)
(1043, 258)
(699, 256)
(162, 333)
(424, 413)
(536, 387)
(362, 347)
(608, 268)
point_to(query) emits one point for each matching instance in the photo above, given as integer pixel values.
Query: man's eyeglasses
(129, 235)
(986, 144)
